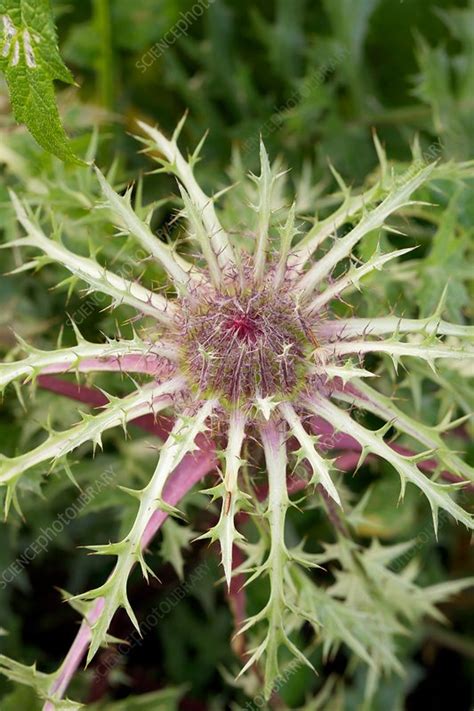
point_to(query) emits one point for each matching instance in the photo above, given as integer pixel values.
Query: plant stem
(105, 60)
(192, 469)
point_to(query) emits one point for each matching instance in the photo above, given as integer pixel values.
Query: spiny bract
(246, 347)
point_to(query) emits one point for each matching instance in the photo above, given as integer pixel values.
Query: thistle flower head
(246, 340)
(249, 348)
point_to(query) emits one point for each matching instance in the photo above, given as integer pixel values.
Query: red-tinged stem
(426, 465)
(81, 393)
(148, 364)
(192, 469)
(329, 438)
(189, 472)
(75, 654)
(160, 426)
(333, 511)
(429, 465)
(238, 602)
(348, 459)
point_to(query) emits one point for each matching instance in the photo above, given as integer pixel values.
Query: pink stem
(238, 601)
(192, 469)
(133, 363)
(329, 438)
(159, 426)
(347, 461)
(75, 654)
(81, 393)
(426, 465)
(429, 465)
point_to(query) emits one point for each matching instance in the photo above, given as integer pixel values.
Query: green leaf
(29, 676)
(175, 539)
(448, 255)
(22, 697)
(30, 60)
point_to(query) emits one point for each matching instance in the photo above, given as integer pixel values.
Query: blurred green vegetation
(313, 77)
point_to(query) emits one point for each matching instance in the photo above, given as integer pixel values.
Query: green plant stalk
(105, 60)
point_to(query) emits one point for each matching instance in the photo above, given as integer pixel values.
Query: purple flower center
(245, 342)
(245, 327)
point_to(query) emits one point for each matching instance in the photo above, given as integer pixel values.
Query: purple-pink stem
(75, 654)
(189, 472)
(238, 599)
(159, 426)
(350, 450)
(148, 364)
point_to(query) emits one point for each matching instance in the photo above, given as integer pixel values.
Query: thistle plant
(246, 349)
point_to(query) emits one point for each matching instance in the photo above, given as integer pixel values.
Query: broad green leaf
(30, 60)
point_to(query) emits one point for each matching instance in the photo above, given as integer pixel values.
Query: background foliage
(314, 78)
